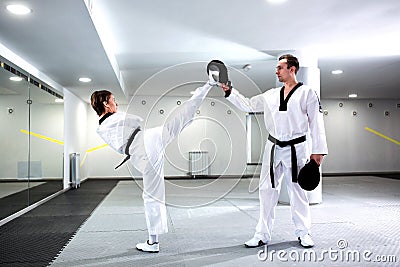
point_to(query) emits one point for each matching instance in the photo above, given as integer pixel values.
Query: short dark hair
(292, 61)
(97, 100)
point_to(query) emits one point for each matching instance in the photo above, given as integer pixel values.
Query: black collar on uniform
(105, 117)
(283, 101)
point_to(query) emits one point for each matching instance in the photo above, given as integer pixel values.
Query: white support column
(309, 74)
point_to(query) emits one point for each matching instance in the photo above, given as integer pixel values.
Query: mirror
(31, 165)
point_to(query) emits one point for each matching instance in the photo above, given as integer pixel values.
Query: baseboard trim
(331, 174)
(185, 177)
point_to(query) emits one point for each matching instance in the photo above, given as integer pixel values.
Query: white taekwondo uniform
(299, 115)
(147, 151)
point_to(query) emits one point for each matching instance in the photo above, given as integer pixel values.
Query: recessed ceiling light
(19, 9)
(15, 78)
(59, 100)
(276, 1)
(192, 92)
(352, 95)
(337, 72)
(85, 79)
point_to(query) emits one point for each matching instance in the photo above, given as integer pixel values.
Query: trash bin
(75, 179)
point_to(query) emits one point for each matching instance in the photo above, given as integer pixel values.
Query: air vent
(31, 79)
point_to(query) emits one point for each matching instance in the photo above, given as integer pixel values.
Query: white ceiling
(122, 43)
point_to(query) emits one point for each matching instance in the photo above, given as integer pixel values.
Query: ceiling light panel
(336, 72)
(85, 79)
(19, 9)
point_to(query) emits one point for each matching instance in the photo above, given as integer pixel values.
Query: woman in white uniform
(145, 150)
(292, 115)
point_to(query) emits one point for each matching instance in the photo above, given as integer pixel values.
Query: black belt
(290, 143)
(128, 144)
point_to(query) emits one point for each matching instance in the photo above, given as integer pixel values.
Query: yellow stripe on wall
(43, 137)
(96, 148)
(91, 150)
(382, 135)
(62, 143)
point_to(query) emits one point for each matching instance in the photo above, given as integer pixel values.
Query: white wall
(14, 144)
(75, 132)
(46, 120)
(352, 149)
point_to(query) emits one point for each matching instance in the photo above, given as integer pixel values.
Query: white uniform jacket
(303, 116)
(116, 129)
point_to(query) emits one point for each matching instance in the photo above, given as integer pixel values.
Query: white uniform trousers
(152, 165)
(269, 196)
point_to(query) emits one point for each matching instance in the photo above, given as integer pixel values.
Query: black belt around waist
(128, 144)
(290, 143)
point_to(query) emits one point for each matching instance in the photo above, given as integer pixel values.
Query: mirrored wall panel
(31, 137)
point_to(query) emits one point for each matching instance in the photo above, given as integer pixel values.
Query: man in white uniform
(145, 149)
(291, 113)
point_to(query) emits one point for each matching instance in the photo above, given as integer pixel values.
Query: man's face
(282, 71)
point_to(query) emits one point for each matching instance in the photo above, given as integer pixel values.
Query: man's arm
(317, 128)
(253, 104)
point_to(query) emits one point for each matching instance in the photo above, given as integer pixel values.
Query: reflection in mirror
(46, 144)
(14, 193)
(31, 139)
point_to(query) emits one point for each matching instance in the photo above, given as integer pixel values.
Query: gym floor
(357, 224)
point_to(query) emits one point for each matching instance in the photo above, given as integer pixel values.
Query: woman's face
(111, 105)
